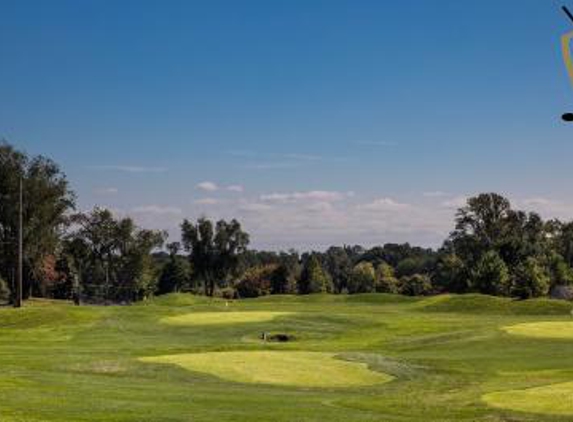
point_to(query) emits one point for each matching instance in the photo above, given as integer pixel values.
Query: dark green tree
(313, 278)
(491, 275)
(214, 251)
(176, 273)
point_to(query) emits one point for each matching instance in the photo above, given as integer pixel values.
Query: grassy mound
(544, 329)
(483, 304)
(218, 318)
(298, 369)
(554, 399)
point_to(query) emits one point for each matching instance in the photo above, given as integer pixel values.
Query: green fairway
(302, 369)
(546, 329)
(551, 399)
(369, 357)
(215, 318)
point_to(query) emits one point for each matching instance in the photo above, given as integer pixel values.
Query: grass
(290, 368)
(544, 329)
(450, 359)
(554, 399)
(216, 318)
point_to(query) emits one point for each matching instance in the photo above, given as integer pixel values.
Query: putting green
(554, 399)
(299, 369)
(229, 317)
(547, 329)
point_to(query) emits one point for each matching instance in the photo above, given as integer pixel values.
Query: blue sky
(314, 122)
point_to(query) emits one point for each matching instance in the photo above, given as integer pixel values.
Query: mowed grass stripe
(297, 369)
(544, 329)
(554, 399)
(221, 318)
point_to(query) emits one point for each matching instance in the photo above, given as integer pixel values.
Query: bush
(313, 278)
(491, 275)
(416, 285)
(386, 281)
(362, 278)
(226, 293)
(530, 280)
(255, 281)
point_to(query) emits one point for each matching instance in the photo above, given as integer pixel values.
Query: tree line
(96, 257)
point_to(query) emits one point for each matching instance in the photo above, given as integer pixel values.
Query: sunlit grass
(301, 369)
(556, 399)
(545, 329)
(217, 318)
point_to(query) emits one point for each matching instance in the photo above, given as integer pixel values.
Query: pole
(18, 298)
(567, 12)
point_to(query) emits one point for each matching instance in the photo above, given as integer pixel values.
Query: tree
(256, 281)
(112, 257)
(362, 278)
(4, 291)
(339, 265)
(214, 252)
(560, 273)
(47, 200)
(530, 280)
(416, 285)
(491, 275)
(451, 274)
(176, 273)
(313, 278)
(386, 281)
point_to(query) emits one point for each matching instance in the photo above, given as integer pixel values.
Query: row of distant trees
(98, 257)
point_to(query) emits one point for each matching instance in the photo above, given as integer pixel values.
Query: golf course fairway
(220, 318)
(348, 358)
(545, 329)
(300, 369)
(554, 399)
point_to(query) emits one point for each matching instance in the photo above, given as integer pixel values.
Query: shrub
(386, 281)
(255, 281)
(530, 280)
(491, 275)
(362, 278)
(416, 285)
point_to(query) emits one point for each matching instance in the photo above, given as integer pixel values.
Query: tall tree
(47, 200)
(313, 278)
(214, 251)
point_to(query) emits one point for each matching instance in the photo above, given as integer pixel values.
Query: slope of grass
(290, 368)
(556, 399)
(216, 318)
(543, 329)
(476, 303)
(449, 357)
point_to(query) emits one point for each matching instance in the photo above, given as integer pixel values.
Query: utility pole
(18, 296)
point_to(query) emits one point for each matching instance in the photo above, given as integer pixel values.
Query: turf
(450, 359)
(550, 399)
(216, 318)
(290, 368)
(544, 329)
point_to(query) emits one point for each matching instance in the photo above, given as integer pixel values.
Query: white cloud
(235, 188)
(457, 202)
(255, 207)
(384, 204)
(315, 195)
(206, 201)
(207, 186)
(106, 191)
(539, 201)
(156, 210)
(130, 169)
